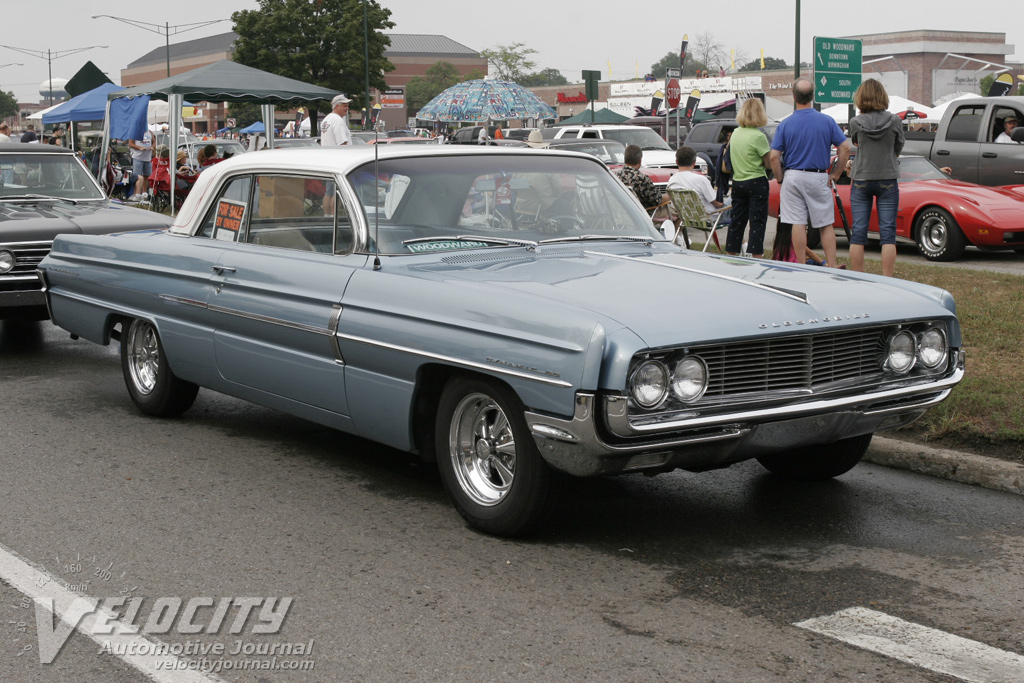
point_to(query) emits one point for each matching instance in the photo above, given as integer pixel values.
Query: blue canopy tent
(257, 127)
(89, 106)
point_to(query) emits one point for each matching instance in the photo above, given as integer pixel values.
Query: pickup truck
(966, 141)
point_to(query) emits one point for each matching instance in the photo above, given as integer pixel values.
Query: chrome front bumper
(582, 447)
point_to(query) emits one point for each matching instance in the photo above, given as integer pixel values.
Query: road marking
(69, 606)
(919, 645)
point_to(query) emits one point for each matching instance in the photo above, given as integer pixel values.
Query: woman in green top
(749, 152)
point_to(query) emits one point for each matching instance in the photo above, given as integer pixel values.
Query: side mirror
(1017, 135)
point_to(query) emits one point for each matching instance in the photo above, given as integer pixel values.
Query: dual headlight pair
(686, 379)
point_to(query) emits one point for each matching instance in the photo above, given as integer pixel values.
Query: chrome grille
(27, 256)
(795, 363)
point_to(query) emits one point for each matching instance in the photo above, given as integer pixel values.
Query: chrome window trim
(457, 361)
(249, 316)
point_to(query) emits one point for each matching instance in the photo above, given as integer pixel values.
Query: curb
(965, 468)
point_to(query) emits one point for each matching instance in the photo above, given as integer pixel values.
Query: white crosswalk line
(919, 645)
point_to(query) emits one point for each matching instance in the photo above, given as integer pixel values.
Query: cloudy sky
(568, 35)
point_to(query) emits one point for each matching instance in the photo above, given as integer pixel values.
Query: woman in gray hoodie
(877, 135)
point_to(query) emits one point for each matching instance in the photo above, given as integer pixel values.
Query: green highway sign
(837, 68)
(835, 87)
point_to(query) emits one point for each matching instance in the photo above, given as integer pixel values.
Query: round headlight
(6, 261)
(902, 352)
(649, 384)
(689, 379)
(931, 350)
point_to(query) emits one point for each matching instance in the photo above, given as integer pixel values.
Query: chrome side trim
(333, 327)
(46, 291)
(457, 361)
(249, 316)
(796, 296)
(616, 408)
(18, 278)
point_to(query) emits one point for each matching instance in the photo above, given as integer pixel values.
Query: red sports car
(941, 215)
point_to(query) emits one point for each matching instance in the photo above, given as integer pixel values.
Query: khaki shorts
(806, 194)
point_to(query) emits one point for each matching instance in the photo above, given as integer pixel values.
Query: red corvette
(941, 215)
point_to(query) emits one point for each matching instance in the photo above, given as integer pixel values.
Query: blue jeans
(749, 201)
(887, 204)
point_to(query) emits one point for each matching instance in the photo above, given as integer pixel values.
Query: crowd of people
(799, 157)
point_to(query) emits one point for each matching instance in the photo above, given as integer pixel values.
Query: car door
(1001, 163)
(277, 289)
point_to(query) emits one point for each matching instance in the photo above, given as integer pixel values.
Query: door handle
(943, 152)
(989, 155)
(220, 270)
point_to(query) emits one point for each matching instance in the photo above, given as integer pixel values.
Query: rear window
(964, 125)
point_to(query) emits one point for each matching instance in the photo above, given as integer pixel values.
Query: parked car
(292, 143)
(657, 124)
(517, 133)
(657, 153)
(966, 141)
(46, 191)
(403, 141)
(491, 309)
(941, 215)
(612, 154)
(226, 148)
(470, 135)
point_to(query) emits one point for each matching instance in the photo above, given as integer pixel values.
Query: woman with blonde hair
(877, 137)
(749, 153)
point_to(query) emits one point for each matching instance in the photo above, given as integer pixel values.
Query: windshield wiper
(39, 196)
(613, 238)
(529, 244)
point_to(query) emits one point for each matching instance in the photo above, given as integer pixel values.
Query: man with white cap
(334, 128)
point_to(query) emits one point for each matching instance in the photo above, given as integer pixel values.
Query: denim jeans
(887, 203)
(749, 201)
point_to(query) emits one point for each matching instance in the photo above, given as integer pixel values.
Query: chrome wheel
(143, 348)
(934, 233)
(483, 449)
(938, 236)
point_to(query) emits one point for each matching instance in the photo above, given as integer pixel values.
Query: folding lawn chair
(690, 213)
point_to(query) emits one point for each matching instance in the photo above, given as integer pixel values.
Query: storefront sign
(393, 99)
(569, 99)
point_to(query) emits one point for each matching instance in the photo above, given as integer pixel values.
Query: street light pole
(166, 30)
(366, 64)
(49, 57)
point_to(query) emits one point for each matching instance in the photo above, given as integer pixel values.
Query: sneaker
(135, 198)
(145, 196)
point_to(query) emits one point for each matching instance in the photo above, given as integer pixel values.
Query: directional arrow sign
(835, 87)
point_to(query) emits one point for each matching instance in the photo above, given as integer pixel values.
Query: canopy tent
(89, 106)
(485, 100)
(257, 127)
(223, 81)
(605, 115)
(897, 105)
(38, 116)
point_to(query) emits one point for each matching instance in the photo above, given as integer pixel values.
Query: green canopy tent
(600, 116)
(223, 81)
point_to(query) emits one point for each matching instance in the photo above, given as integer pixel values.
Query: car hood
(31, 221)
(668, 296)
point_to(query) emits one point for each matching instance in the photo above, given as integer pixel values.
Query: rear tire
(938, 236)
(489, 462)
(818, 463)
(151, 384)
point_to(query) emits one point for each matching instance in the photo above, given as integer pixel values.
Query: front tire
(938, 236)
(489, 463)
(818, 463)
(151, 384)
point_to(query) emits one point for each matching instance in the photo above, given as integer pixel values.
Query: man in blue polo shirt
(801, 152)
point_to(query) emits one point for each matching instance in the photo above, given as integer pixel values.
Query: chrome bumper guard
(578, 446)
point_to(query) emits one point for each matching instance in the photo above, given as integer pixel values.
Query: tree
(510, 62)
(769, 63)
(244, 113)
(544, 77)
(8, 104)
(709, 52)
(316, 41)
(438, 78)
(671, 60)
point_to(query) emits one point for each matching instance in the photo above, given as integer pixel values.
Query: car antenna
(376, 200)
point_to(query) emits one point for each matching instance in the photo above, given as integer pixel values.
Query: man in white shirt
(689, 179)
(4, 132)
(334, 128)
(1009, 124)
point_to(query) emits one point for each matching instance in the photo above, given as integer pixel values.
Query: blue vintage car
(46, 190)
(509, 313)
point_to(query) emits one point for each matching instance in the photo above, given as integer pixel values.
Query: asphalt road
(692, 577)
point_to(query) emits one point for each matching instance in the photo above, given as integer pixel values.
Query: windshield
(53, 175)
(919, 168)
(644, 138)
(446, 203)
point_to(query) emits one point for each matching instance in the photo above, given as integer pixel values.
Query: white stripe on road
(919, 645)
(69, 606)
